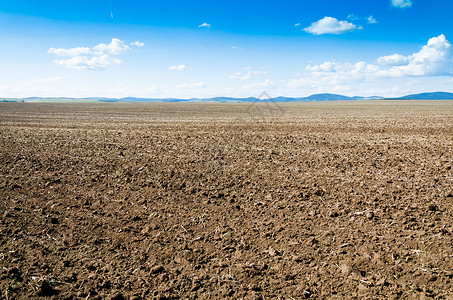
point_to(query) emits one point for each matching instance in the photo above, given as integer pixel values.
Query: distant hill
(429, 96)
(311, 98)
(330, 97)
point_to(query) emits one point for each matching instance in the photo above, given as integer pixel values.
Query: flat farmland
(326, 200)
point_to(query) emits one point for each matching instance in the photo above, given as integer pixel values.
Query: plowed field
(338, 200)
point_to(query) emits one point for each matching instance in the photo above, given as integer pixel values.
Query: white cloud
(95, 58)
(267, 84)
(196, 85)
(336, 73)
(434, 59)
(115, 47)
(328, 66)
(297, 25)
(329, 25)
(180, 68)
(88, 63)
(204, 25)
(393, 60)
(70, 52)
(371, 20)
(247, 74)
(401, 3)
(353, 17)
(137, 43)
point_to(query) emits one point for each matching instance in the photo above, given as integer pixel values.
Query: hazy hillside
(311, 98)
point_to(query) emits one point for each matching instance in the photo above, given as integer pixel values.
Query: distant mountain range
(429, 96)
(312, 98)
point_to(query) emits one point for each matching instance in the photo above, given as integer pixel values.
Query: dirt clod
(157, 269)
(46, 289)
(333, 214)
(117, 296)
(433, 207)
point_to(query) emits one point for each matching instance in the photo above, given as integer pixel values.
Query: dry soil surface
(255, 201)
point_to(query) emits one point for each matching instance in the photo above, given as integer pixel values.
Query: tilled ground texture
(344, 200)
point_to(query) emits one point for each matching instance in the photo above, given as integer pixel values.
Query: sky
(207, 48)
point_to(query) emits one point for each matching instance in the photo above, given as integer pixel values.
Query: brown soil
(168, 201)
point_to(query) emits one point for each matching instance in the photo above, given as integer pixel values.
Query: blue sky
(118, 48)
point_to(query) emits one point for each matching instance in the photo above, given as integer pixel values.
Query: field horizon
(262, 98)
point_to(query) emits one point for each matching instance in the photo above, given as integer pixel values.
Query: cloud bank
(95, 58)
(434, 59)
